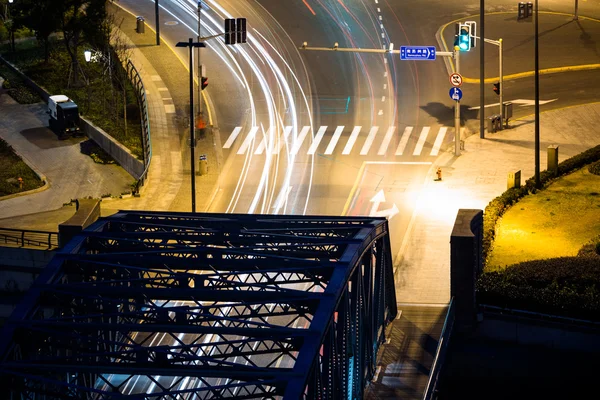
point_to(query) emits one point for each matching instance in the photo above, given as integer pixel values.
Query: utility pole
(482, 72)
(157, 22)
(537, 100)
(501, 84)
(576, 16)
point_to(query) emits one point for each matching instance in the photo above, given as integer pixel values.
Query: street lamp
(537, 100)
(191, 44)
(88, 55)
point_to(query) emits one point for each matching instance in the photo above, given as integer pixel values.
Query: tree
(41, 16)
(81, 19)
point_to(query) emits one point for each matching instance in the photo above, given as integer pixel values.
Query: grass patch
(554, 222)
(90, 148)
(11, 168)
(16, 87)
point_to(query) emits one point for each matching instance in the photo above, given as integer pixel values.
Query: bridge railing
(28, 238)
(440, 354)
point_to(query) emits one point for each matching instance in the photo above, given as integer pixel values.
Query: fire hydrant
(20, 180)
(439, 174)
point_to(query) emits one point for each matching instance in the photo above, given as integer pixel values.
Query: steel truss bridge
(151, 305)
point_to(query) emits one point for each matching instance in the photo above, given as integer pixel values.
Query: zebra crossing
(363, 141)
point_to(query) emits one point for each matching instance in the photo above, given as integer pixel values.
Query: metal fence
(440, 354)
(27, 238)
(136, 81)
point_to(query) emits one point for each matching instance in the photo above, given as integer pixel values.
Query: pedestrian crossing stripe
(268, 142)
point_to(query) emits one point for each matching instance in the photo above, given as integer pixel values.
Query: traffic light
(497, 88)
(241, 30)
(230, 33)
(203, 82)
(463, 37)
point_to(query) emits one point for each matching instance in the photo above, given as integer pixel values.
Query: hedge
(496, 208)
(568, 286)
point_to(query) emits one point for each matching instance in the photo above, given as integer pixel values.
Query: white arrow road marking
(389, 213)
(377, 200)
(522, 102)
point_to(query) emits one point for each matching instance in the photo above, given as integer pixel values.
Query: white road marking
(246, 142)
(317, 140)
(438, 141)
(369, 141)
(404, 140)
(231, 138)
(421, 142)
(334, 140)
(286, 134)
(300, 139)
(386, 140)
(351, 140)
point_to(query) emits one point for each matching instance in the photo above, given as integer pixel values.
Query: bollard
(438, 172)
(553, 159)
(140, 27)
(20, 180)
(514, 180)
(203, 165)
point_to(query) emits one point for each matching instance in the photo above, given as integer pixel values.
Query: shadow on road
(445, 114)
(44, 138)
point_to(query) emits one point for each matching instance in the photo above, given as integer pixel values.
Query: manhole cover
(171, 23)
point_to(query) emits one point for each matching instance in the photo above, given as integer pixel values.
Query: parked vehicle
(64, 116)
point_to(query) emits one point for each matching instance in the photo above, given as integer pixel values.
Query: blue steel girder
(164, 305)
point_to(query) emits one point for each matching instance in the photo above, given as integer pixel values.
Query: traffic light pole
(457, 108)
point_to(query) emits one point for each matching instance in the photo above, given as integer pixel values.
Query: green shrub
(567, 286)
(594, 168)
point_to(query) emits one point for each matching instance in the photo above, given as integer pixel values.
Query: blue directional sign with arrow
(455, 94)
(417, 52)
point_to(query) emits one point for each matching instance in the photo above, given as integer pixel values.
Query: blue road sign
(455, 94)
(417, 52)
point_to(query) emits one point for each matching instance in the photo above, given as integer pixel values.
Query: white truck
(64, 116)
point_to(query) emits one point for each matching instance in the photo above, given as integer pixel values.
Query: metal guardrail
(27, 238)
(440, 354)
(136, 81)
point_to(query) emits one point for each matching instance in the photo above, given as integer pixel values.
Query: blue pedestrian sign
(455, 94)
(417, 52)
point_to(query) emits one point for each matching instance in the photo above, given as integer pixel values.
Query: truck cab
(64, 116)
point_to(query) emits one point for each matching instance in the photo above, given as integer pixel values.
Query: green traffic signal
(464, 42)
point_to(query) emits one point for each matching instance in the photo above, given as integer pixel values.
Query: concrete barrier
(88, 212)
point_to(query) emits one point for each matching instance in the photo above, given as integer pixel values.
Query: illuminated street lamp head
(88, 55)
(10, 1)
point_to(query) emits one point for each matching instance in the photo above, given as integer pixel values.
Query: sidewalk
(70, 173)
(471, 181)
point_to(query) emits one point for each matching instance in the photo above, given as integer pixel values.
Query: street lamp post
(157, 22)
(481, 71)
(191, 44)
(537, 100)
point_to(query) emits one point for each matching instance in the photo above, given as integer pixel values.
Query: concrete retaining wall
(24, 257)
(525, 331)
(117, 151)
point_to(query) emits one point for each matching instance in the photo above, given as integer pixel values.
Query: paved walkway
(471, 181)
(70, 173)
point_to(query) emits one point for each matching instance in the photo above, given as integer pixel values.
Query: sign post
(458, 96)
